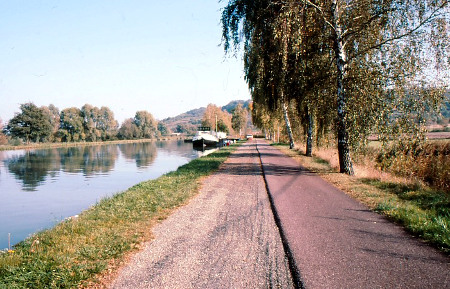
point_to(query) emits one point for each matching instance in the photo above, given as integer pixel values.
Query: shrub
(429, 163)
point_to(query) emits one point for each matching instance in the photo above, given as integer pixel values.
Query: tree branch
(408, 33)
(308, 2)
(349, 32)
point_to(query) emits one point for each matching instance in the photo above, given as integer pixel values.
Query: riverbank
(75, 144)
(78, 250)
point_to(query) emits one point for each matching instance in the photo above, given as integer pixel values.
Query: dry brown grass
(325, 162)
(428, 163)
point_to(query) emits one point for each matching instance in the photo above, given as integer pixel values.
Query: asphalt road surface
(336, 242)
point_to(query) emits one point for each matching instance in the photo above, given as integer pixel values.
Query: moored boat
(207, 138)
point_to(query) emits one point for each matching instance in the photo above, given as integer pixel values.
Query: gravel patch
(225, 237)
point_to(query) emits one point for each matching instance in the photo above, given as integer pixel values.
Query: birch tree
(380, 49)
(375, 56)
(265, 52)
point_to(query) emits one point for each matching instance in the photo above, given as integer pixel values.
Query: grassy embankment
(423, 211)
(78, 252)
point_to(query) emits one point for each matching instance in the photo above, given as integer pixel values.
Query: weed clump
(429, 163)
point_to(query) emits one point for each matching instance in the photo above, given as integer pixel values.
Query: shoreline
(78, 251)
(74, 144)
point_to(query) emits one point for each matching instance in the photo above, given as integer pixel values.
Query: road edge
(293, 268)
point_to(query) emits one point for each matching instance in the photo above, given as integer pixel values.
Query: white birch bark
(345, 162)
(288, 124)
(309, 132)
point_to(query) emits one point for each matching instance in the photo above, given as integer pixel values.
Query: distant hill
(189, 121)
(230, 106)
(186, 122)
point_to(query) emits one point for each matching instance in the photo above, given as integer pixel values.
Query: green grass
(78, 251)
(423, 211)
(279, 144)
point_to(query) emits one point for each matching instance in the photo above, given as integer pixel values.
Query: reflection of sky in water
(63, 187)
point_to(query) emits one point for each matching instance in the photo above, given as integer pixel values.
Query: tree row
(90, 123)
(340, 70)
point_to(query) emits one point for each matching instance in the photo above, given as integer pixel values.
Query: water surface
(39, 188)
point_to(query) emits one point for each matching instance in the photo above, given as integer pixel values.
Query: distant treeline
(90, 124)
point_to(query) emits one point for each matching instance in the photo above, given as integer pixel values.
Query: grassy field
(80, 252)
(423, 211)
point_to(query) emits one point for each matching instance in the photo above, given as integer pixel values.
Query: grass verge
(423, 211)
(78, 251)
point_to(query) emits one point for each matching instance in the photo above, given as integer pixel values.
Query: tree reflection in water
(143, 153)
(65, 181)
(90, 160)
(33, 168)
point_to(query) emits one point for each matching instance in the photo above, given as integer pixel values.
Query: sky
(161, 56)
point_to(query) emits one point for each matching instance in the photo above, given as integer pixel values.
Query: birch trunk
(288, 125)
(345, 162)
(283, 85)
(309, 133)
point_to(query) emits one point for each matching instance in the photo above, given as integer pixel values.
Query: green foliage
(163, 129)
(355, 68)
(221, 126)
(185, 128)
(71, 125)
(32, 124)
(128, 130)
(146, 124)
(52, 113)
(75, 251)
(98, 123)
(239, 119)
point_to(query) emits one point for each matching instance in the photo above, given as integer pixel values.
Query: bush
(15, 142)
(429, 163)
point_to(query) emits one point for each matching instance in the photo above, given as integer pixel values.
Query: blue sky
(161, 56)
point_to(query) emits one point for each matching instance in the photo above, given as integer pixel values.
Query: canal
(39, 188)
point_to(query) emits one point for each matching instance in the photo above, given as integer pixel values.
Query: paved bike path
(336, 242)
